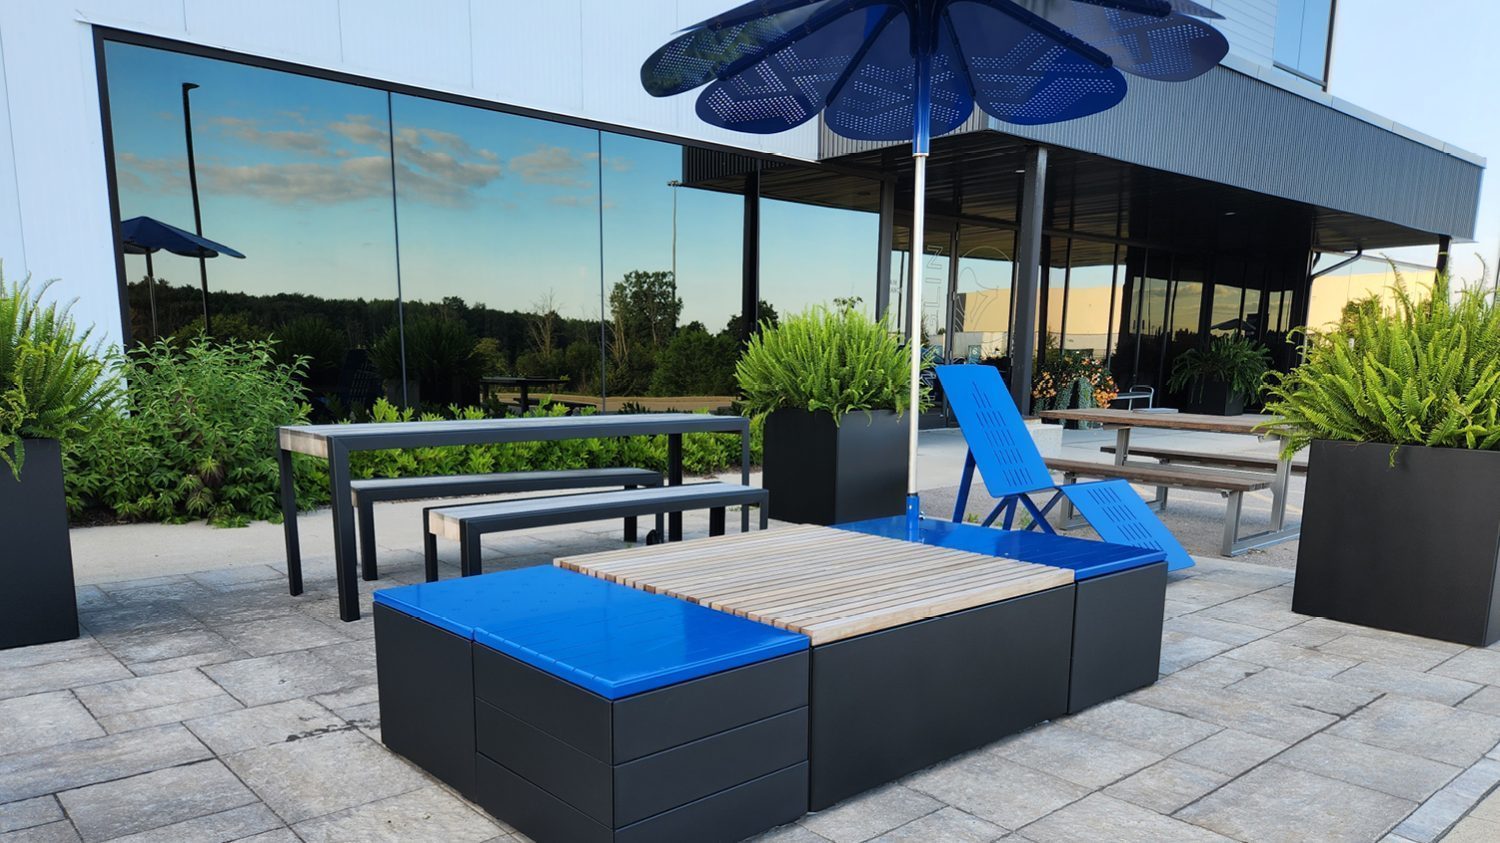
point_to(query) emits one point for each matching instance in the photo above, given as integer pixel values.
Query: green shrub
(53, 381)
(1427, 373)
(197, 439)
(1234, 360)
(840, 361)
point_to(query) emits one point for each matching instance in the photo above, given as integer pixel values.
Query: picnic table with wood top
(1123, 421)
(335, 442)
(522, 383)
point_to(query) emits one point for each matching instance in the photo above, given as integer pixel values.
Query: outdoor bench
(1231, 484)
(1173, 456)
(366, 493)
(580, 710)
(467, 523)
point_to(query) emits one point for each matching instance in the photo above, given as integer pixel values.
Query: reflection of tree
(644, 308)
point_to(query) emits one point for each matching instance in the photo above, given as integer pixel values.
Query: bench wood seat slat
(1187, 477)
(827, 583)
(1174, 455)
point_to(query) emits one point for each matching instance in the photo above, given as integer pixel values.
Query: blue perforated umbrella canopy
(147, 235)
(895, 70)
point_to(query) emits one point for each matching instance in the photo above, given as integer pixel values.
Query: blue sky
(1431, 66)
(495, 208)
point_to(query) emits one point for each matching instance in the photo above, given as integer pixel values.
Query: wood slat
(826, 583)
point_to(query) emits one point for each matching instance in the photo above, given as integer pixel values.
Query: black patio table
(524, 384)
(335, 442)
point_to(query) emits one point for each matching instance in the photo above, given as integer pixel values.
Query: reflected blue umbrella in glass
(146, 236)
(889, 70)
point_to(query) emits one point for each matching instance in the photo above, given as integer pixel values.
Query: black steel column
(1028, 274)
(1444, 242)
(750, 278)
(187, 129)
(885, 245)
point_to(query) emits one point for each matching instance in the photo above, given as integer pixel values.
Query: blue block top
(1085, 557)
(608, 638)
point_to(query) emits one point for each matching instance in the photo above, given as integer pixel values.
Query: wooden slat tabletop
(1246, 423)
(826, 583)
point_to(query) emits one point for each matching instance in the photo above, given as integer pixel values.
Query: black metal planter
(819, 472)
(1214, 399)
(1410, 548)
(37, 602)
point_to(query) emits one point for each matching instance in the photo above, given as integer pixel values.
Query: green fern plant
(1426, 373)
(53, 380)
(839, 360)
(1234, 360)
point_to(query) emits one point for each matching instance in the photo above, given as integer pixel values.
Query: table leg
(525, 399)
(344, 557)
(1122, 445)
(1278, 494)
(289, 520)
(674, 478)
(745, 476)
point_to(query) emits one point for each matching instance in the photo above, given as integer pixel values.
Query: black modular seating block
(366, 493)
(466, 524)
(1117, 626)
(581, 710)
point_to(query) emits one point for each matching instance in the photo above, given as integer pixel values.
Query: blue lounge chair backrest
(1003, 449)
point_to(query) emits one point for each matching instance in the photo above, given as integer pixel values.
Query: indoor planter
(1401, 525)
(832, 386)
(51, 382)
(1221, 377)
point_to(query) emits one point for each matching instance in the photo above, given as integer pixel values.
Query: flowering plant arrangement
(1072, 380)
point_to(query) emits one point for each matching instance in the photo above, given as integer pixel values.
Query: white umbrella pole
(918, 245)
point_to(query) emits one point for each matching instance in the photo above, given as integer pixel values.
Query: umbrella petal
(1173, 48)
(708, 49)
(877, 101)
(1026, 75)
(790, 85)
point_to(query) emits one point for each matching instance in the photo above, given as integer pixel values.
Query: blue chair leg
(961, 505)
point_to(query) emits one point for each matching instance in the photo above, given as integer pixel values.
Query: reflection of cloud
(164, 175)
(574, 200)
(554, 165)
(249, 131)
(427, 164)
(349, 180)
(359, 129)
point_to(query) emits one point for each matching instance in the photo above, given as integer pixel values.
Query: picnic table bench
(1175, 456)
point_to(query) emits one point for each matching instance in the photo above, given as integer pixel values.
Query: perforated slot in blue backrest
(1003, 449)
(1119, 516)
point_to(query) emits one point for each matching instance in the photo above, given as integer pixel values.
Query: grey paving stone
(1396, 651)
(40, 654)
(1180, 650)
(138, 618)
(284, 676)
(1478, 666)
(92, 597)
(340, 701)
(1231, 752)
(157, 646)
(56, 676)
(996, 789)
(1306, 691)
(871, 814)
(1277, 803)
(233, 578)
(1214, 629)
(58, 832)
(1141, 726)
(264, 725)
(792, 833)
(949, 825)
(222, 609)
(1173, 609)
(183, 592)
(1474, 830)
(280, 835)
(430, 813)
(44, 720)
(122, 586)
(170, 713)
(1293, 659)
(86, 762)
(1265, 612)
(1101, 817)
(1217, 672)
(314, 776)
(1080, 757)
(1313, 632)
(1408, 683)
(1423, 728)
(1286, 723)
(279, 635)
(355, 659)
(1204, 592)
(1486, 700)
(1435, 816)
(1396, 773)
(142, 692)
(1166, 786)
(152, 800)
(246, 822)
(29, 813)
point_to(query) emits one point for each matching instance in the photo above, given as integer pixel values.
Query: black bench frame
(364, 494)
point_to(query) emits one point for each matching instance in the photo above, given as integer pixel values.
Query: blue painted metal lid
(608, 638)
(1086, 558)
